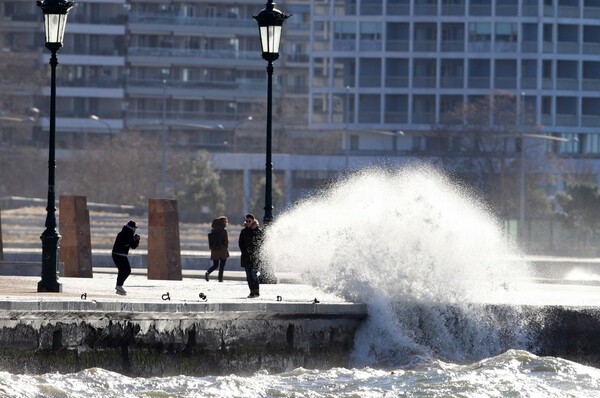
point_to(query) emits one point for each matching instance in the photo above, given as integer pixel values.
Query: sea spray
(419, 251)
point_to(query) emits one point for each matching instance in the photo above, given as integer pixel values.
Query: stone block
(164, 251)
(76, 245)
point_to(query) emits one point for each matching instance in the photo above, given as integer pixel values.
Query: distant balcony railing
(344, 45)
(425, 45)
(397, 45)
(369, 117)
(398, 9)
(530, 11)
(563, 47)
(89, 82)
(529, 47)
(480, 46)
(453, 46)
(590, 121)
(505, 47)
(179, 20)
(507, 10)
(371, 45)
(451, 82)
(567, 83)
(567, 120)
(191, 53)
(505, 82)
(425, 9)
(591, 12)
(591, 48)
(454, 9)
(479, 82)
(424, 82)
(396, 117)
(423, 118)
(396, 81)
(568, 11)
(480, 10)
(591, 84)
(529, 82)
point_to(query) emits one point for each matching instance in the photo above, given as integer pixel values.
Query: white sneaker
(121, 291)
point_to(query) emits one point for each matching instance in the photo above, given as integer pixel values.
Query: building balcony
(371, 45)
(591, 12)
(568, 11)
(423, 82)
(423, 118)
(479, 82)
(567, 84)
(507, 10)
(425, 46)
(457, 46)
(480, 10)
(344, 45)
(480, 47)
(396, 117)
(529, 83)
(564, 47)
(529, 47)
(453, 10)
(590, 121)
(425, 10)
(369, 117)
(591, 48)
(150, 55)
(451, 82)
(567, 120)
(506, 47)
(173, 20)
(396, 81)
(398, 9)
(591, 84)
(530, 11)
(505, 83)
(397, 45)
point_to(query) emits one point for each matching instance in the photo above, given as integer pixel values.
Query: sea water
(418, 250)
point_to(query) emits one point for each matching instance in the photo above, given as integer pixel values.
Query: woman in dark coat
(249, 243)
(218, 243)
(126, 239)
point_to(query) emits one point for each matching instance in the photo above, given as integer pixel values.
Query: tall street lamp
(55, 19)
(270, 22)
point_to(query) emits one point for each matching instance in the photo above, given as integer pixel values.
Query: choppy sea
(511, 374)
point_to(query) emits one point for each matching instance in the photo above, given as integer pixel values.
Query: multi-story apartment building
(401, 65)
(363, 70)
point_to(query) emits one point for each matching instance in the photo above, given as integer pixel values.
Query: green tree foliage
(580, 203)
(200, 195)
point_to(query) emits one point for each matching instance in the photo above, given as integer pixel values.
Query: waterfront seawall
(196, 328)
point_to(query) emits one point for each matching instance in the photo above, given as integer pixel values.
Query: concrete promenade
(191, 293)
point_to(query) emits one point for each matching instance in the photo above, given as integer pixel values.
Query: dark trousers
(252, 279)
(122, 263)
(220, 263)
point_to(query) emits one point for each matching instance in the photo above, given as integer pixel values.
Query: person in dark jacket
(250, 239)
(126, 239)
(219, 247)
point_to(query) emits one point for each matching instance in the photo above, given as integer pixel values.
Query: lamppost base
(49, 282)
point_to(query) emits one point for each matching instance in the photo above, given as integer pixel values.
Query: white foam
(397, 241)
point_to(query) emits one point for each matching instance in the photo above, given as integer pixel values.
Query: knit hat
(131, 224)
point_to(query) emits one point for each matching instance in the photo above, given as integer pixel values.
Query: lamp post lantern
(270, 23)
(55, 19)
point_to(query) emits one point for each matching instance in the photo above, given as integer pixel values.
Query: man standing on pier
(249, 243)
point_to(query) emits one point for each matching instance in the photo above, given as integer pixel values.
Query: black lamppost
(55, 20)
(270, 22)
